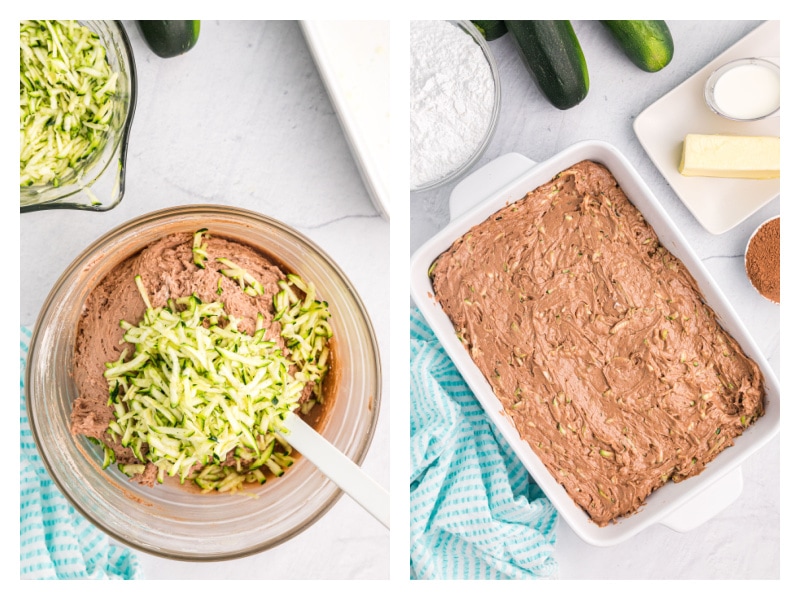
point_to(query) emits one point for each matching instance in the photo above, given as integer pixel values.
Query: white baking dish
(353, 60)
(680, 506)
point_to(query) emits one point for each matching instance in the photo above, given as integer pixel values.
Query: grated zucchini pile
(66, 100)
(204, 401)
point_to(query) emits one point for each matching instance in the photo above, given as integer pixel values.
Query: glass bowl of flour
(455, 101)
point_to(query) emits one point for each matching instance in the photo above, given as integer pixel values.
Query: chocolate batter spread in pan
(597, 342)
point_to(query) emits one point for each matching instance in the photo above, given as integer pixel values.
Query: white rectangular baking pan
(680, 506)
(353, 60)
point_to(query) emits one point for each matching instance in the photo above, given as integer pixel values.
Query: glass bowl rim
(150, 220)
(459, 171)
(747, 254)
(713, 78)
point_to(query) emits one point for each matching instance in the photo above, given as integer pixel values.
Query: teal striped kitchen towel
(475, 511)
(55, 541)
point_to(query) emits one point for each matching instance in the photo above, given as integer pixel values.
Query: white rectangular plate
(353, 61)
(719, 204)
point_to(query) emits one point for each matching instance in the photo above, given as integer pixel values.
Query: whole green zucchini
(491, 30)
(648, 44)
(170, 38)
(554, 58)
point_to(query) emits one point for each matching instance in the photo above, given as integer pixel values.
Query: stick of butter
(748, 157)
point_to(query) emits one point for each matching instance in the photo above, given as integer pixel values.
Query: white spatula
(338, 468)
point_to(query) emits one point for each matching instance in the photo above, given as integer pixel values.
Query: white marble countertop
(743, 541)
(243, 119)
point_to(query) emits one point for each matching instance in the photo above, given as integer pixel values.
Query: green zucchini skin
(554, 58)
(648, 44)
(491, 30)
(170, 38)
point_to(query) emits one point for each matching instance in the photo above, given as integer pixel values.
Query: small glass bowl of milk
(747, 89)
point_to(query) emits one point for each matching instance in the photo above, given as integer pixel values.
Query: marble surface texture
(742, 541)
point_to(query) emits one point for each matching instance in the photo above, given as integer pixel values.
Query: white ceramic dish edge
(672, 505)
(365, 124)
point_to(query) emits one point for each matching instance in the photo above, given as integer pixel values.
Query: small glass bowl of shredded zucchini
(195, 385)
(77, 96)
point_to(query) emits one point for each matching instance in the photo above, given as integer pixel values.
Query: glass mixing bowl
(100, 182)
(166, 520)
(457, 171)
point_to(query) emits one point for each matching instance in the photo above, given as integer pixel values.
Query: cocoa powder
(763, 260)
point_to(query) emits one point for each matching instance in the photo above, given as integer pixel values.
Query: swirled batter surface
(597, 342)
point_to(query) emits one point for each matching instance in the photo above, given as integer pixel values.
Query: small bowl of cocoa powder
(762, 259)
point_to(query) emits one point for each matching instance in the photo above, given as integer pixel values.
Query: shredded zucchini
(199, 249)
(196, 389)
(249, 284)
(66, 100)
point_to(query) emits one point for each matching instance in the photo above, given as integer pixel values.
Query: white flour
(452, 97)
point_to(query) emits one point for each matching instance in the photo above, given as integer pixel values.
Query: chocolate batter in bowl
(167, 519)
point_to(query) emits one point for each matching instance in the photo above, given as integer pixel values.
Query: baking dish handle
(486, 181)
(706, 504)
